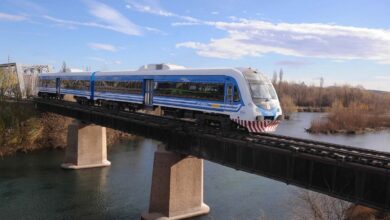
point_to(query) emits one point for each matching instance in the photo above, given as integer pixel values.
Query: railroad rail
(354, 174)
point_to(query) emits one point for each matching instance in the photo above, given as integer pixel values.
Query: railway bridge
(356, 175)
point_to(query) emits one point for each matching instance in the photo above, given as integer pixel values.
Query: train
(239, 98)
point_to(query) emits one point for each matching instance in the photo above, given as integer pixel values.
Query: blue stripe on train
(194, 107)
(179, 101)
(121, 99)
(171, 102)
(197, 106)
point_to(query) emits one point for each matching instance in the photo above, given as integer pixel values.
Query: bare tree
(311, 205)
(275, 78)
(281, 76)
(64, 67)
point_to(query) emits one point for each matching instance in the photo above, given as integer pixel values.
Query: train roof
(59, 74)
(169, 69)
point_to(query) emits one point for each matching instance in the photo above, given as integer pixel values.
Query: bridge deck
(357, 175)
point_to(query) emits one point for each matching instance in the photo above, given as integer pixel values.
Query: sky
(345, 42)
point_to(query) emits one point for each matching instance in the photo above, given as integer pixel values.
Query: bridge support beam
(86, 147)
(177, 187)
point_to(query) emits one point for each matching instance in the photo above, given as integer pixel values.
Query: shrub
(351, 119)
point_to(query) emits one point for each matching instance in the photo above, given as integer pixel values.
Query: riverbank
(353, 119)
(23, 129)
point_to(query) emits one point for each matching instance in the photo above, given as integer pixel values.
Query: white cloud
(113, 18)
(100, 46)
(149, 9)
(383, 77)
(28, 6)
(11, 17)
(155, 30)
(104, 61)
(256, 38)
(110, 19)
(292, 63)
(185, 23)
(215, 12)
(156, 9)
(71, 23)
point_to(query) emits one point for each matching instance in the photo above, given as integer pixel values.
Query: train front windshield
(262, 90)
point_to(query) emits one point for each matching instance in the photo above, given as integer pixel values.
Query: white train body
(245, 95)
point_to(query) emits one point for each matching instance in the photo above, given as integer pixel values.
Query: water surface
(33, 186)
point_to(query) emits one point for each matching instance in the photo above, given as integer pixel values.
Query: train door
(229, 93)
(58, 87)
(148, 92)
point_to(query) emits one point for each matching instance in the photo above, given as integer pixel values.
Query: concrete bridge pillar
(86, 147)
(177, 187)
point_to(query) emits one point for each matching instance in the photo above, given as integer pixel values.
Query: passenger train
(230, 97)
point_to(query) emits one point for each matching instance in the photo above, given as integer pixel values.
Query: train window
(262, 91)
(75, 84)
(236, 96)
(51, 83)
(229, 93)
(126, 87)
(207, 91)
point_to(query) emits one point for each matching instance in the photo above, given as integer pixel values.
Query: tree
(8, 84)
(288, 106)
(275, 78)
(280, 76)
(64, 67)
(320, 93)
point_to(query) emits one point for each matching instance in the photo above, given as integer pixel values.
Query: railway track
(341, 153)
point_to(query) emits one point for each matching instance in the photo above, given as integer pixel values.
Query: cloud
(11, 17)
(155, 9)
(155, 30)
(104, 61)
(291, 63)
(215, 13)
(100, 46)
(256, 38)
(109, 18)
(185, 23)
(383, 77)
(112, 18)
(27, 6)
(149, 9)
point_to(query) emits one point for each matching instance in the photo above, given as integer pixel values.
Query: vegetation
(313, 96)
(8, 85)
(288, 105)
(355, 118)
(351, 109)
(23, 129)
(19, 126)
(311, 205)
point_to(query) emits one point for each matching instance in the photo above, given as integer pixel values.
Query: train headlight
(265, 105)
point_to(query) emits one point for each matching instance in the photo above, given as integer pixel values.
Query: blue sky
(342, 41)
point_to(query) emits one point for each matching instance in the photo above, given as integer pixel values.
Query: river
(33, 186)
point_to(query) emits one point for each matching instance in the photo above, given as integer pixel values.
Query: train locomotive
(227, 97)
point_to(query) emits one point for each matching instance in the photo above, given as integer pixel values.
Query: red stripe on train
(258, 126)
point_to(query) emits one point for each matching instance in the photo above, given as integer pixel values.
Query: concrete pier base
(86, 147)
(177, 187)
